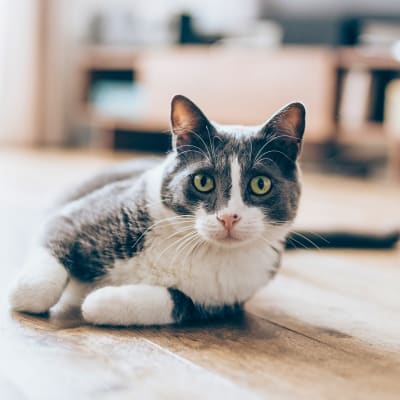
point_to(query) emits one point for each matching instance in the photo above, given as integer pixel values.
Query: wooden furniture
(382, 67)
(242, 86)
(236, 86)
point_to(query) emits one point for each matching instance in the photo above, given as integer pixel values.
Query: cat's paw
(39, 285)
(35, 296)
(101, 307)
(128, 305)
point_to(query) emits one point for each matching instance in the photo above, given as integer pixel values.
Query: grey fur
(107, 224)
(185, 310)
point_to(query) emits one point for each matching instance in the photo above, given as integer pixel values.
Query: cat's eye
(203, 183)
(260, 185)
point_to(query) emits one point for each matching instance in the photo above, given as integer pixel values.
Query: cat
(190, 238)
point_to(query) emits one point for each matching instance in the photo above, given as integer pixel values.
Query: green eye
(260, 185)
(203, 183)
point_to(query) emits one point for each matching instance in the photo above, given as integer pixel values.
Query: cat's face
(234, 185)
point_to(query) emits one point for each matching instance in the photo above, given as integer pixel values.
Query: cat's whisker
(209, 157)
(194, 245)
(201, 151)
(276, 137)
(315, 234)
(307, 239)
(279, 223)
(178, 232)
(165, 220)
(171, 245)
(274, 151)
(212, 146)
(181, 245)
(186, 244)
(251, 150)
(295, 241)
(195, 151)
(205, 144)
(260, 160)
(269, 142)
(261, 149)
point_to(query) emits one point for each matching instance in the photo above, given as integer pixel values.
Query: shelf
(164, 72)
(107, 57)
(110, 123)
(370, 58)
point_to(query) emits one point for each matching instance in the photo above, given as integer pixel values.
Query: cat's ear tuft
(187, 121)
(286, 128)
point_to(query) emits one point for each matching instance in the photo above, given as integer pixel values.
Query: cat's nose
(228, 220)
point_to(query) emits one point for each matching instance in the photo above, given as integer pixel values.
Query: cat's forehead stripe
(235, 201)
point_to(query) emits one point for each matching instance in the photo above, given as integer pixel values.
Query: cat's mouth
(230, 240)
(230, 236)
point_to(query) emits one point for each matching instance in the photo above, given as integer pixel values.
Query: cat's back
(130, 171)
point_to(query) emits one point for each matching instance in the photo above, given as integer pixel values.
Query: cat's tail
(343, 239)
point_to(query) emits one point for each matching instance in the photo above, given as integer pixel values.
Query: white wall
(18, 71)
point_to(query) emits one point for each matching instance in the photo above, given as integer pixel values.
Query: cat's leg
(72, 298)
(148, 305)
(130, 305)
(40, 283)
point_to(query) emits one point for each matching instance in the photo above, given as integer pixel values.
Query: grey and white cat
(191, 238)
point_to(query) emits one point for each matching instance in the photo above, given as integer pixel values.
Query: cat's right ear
(188, 123)
(285, 129)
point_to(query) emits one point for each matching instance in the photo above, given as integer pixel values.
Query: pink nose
(228, 220)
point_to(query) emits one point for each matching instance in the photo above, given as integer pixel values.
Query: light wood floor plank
(87, 363)
(327, 327)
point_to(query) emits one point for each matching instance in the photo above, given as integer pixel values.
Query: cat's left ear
(285, 129)
(188, 123)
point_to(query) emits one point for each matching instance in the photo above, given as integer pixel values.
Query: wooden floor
(328, 327)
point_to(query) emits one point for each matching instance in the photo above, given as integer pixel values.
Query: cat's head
(234, 184)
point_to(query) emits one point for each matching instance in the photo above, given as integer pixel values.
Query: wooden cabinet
(234, 86)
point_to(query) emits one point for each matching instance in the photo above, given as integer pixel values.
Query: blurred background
(96, 74)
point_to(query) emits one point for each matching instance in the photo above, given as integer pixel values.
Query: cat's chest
(217, 278)
(208, 275)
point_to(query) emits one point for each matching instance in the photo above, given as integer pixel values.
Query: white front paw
(40, 284)
(34, 296)
(128, 305)
(100, 307)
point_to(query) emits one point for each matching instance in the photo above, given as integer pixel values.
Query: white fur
(238, 131)
(73, 296)
(40, 283)
(129, 305)
(235, 204)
